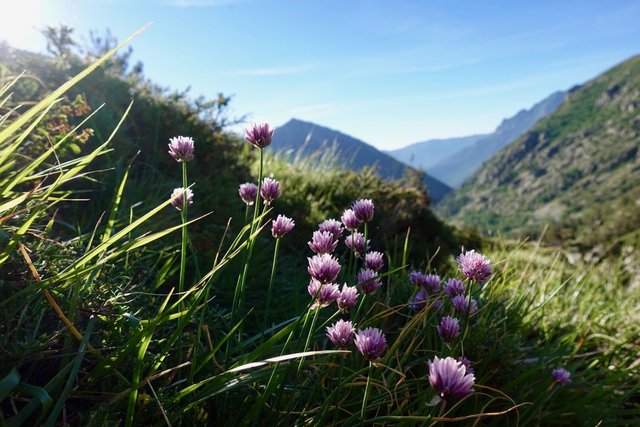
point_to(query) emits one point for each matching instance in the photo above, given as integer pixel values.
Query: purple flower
(432, 283)
(270, 190)
(355, 242)
(323, 242)
(347, 298)
(418, 301)
(464, 305)
(450, 378)
(371, 343)
(561, 376)
(374, 260)
(181, 148)
(449, 328)
(437, 305)
(417, 278)
(281, 226)
(341, 333)
(475, 266)
(369, 281)
(248, 192)
(363, 210)
(323, 294)
(466, 363)
(332, 226)
(350, 220)
(454, 287)
(324, 268)
(177, 197)
(259, 134)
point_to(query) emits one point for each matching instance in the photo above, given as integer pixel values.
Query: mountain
(300, 138)
(424, 155)
(578, 170)
(454, 169)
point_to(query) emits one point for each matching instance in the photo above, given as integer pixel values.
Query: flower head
(350, 220)
(270, 190)
(332, 226)
(418, 278)
(432, 283)
(181, 148)
(561, 376)
(475, 266)
(323, 242)
(347, 298)
(450, 378)
(464, 305)
(281, 226)
(324, 268)
(355, 242)
(454, 287)
(259, 134)
(323, 294)
(363, 210)
(467, 364)
(248, 192)
(449, 328)
(341, 333)
(374, 260)
(369, 281)
(177, 197)
(371, 342)
(418, 301)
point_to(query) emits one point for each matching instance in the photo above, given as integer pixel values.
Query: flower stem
(311, 330)
(335, 415)
(273, 273)
(366, 394)
(183, 249)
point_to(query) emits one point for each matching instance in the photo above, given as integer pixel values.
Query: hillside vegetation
(577, 171)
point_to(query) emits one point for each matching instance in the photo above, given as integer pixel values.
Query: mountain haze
(300, 138)
(426, 154)
(578, 170)
(456, 168)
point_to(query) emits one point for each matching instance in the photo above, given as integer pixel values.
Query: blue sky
(388, 72)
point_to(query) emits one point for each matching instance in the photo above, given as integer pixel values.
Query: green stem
(273, 273)
(339, 387)
(183, 249)
(309, 335)
(355, 317)
(366, 394)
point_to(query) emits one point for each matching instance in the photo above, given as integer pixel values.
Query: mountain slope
(578, 170)
(305, 139)
(455, 169)
(424, 155)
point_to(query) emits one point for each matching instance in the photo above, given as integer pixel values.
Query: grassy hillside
(577, 171)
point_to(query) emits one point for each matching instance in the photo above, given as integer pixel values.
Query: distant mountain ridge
(456, 168)
(577, 170)
(305, 138)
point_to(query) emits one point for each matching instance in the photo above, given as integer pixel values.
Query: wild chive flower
(323, 242)
(181, 148)
(270, 190)
(347, 298)
(449, 328)
(363, 210)
(177, 197)
(418, 301)
(341, 333)
(475, 266)
(371, 342)
(450, 378)
(467, 364)
(281, 226)
(454, 287)
(369, 281)
(432, 283)
(464, 305)
(350, 220)
(332, 226)
(437, 305)
(259, 134)
(418, 278)
(248, 192)
(355, 242)
(324, 268)
(323, 293)
(374, 260)
(561, 376)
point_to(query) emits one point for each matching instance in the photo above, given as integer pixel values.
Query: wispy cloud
(273, 71)
(201, 3)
